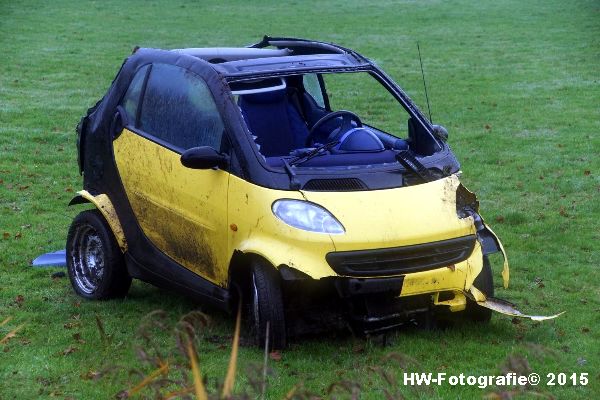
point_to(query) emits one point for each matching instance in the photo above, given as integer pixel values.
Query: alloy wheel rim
(88, 259)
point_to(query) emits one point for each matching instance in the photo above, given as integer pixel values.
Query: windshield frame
(394, 89)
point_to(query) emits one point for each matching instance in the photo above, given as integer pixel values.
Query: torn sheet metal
(505, 270)
(54, 259)
(503, 306)
(470, 199)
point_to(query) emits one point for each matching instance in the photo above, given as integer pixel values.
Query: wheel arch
(104, 205)
(240, 271)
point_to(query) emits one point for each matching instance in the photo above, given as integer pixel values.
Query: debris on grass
(77, 338)
(71, 325)
(91, 375)
(69, 350)
(10, 334)
(517, 364)
(58, 275)
(19, 300)
(104, 338)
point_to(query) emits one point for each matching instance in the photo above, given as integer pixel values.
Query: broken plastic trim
(505, 269)
(53, 259)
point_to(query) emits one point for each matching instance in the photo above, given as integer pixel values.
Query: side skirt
(173, 275)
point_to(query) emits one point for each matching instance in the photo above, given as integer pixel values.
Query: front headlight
(307, 216)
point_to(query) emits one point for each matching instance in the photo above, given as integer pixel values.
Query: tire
(95, 264)
(266, 305)
(485, 283)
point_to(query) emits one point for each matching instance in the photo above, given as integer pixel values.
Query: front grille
(335, 185)
(402, 260)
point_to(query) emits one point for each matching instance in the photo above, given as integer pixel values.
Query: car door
(182, 211)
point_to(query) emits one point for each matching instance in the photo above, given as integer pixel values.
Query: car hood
(395, 217)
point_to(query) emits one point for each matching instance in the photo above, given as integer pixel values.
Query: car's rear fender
(105, 206)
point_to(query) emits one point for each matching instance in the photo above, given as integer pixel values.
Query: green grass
(516, 84)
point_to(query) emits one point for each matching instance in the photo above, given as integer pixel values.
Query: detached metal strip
(503, 306)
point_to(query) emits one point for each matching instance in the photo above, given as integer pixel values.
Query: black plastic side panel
(420, 141)
(348, 287)
(488, 242)
(173, 275)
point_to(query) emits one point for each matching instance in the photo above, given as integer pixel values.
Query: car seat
(271, 117)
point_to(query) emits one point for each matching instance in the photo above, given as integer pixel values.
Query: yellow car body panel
(458, 277)
(396, 217)
(259, 231)
(187, 224)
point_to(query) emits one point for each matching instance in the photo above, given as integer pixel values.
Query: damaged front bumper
(449, 287)
(468, 205)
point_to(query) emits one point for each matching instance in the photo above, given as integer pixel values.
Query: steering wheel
(347, 118)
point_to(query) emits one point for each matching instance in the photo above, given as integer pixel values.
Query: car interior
(288, 125)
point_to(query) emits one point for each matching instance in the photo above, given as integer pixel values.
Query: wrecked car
(287, 176)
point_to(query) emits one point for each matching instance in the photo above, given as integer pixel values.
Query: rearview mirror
(440, 132)
(204, 157)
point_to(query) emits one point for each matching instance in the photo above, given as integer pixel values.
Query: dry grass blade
(230, 377)
(266, 360)
(103, 335)
(178, 393)
(11, 334)
(162, 370)
(198, 385)
(289, 395)
(187, 328)
(6, 321)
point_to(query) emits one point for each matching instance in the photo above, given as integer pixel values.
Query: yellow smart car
(292, 175)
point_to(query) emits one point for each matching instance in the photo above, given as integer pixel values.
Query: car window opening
(292, 116)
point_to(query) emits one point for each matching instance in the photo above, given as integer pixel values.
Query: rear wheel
(266, 306)
(94, 260)
(485, 283)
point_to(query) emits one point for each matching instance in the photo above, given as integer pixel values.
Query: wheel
(266, 305)
(485, 283)
(95, 263)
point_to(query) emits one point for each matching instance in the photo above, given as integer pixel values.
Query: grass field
(516, 83)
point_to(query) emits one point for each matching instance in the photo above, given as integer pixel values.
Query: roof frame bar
(305, 46)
